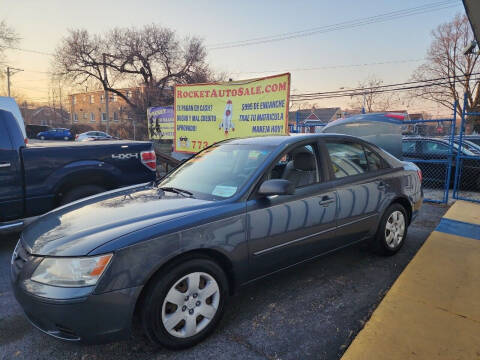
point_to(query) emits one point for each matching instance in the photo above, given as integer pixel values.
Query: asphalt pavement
(312, 311)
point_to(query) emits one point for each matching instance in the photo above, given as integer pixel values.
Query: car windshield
(218, 172)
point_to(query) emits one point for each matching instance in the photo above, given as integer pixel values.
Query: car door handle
(5, 165)
(326, 200)
(381, 185)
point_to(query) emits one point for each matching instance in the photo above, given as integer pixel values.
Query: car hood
(78, 228)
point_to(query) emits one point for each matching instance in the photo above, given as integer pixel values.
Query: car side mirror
(276, 187)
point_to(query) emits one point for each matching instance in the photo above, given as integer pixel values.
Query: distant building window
(74, 99)
(114, 97)
(129, 94)
(92, 99)
(104, 116)
(92, 117)
(102, 98)
(115, 116)
(75, 117)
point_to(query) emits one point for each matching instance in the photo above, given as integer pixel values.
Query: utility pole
(11, 71)
(364, 102)
(105, 88)
(61, 103)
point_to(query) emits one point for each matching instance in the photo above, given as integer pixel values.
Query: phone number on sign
(196, 144)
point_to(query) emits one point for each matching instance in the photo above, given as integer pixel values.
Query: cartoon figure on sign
(227, 123)
(151, 127)
(183, 142)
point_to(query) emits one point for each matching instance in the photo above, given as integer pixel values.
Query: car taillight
(420, 176)
(149, 159)
(76, 137)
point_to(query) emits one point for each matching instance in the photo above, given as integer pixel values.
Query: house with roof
(312, 120)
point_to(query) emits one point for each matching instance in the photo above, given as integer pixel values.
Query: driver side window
(299, 166)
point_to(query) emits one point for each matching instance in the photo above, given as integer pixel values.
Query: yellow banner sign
(207, 113)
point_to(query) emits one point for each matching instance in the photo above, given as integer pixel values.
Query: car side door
(11, 183)
(361, 188)
(287, 229)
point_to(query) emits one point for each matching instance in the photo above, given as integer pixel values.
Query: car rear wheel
(42, 137)
(66, 138)
(392, 231)
(80, 192)
(183, 305)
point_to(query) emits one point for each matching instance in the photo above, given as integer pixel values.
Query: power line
(426, 8)
(378, 89)
(375, 91)
(348, 91)
(29, 50)
(445, 2)
(331, 67)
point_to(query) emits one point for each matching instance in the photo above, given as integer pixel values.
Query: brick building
(88, 108)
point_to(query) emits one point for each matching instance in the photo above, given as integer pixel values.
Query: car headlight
(71, 272)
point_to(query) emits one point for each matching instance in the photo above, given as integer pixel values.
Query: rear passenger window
(434, 148)
(348, 158)
(5, 143)
(374, 160)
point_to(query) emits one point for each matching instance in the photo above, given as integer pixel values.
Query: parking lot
(311, 312)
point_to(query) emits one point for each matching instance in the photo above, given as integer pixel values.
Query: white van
(9, 104)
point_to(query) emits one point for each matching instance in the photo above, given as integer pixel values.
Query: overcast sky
(41, 25)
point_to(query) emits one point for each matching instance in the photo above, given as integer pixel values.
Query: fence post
(450, 153)
(296, 120)
(458, 169)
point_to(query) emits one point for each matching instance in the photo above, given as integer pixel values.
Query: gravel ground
(312, 311)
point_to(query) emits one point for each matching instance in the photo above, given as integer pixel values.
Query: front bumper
(90, 318)
(95, 319)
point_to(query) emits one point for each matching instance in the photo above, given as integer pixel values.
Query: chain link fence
(430, 145)
(467, 162)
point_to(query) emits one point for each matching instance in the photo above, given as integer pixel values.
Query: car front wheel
(184, 304)
(392, 230)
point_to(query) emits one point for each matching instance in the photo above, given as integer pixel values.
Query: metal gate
(467, 162)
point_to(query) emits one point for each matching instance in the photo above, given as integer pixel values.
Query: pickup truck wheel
(183, 305)
(80, 192)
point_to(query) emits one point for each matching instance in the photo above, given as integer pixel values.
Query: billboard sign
(160, 123)
(207, 113)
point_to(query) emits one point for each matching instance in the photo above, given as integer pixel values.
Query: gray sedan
(171, 252)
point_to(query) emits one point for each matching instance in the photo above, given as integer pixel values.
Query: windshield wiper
(177, 191)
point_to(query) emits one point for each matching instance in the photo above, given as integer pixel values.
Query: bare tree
(459, 73)
(151, 58)
(372, 96)
(8, 37)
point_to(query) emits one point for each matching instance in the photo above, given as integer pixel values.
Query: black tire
(80, 192)
(151, 307)
(380, 244)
